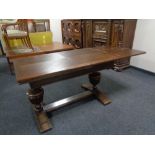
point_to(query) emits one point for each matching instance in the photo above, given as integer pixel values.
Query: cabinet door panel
(101, 33)
(117, 33)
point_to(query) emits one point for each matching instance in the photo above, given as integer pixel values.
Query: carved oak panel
(71, 32)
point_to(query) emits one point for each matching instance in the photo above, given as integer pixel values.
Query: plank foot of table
(43, 122)
(100, 95)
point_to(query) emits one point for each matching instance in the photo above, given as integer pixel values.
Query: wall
(56, 29)
(145, 40)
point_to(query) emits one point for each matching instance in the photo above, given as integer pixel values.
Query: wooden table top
(57, 64)
(44, 49)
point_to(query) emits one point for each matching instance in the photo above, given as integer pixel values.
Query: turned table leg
(36, 98)
(94, 79)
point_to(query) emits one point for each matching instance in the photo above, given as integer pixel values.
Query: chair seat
(16, 33)
(22, 50)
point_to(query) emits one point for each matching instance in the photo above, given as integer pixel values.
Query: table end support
(36, 98)
(94, 79)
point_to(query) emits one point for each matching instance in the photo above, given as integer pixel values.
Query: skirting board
(143, 70)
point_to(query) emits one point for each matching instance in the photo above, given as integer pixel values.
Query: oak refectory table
(41, 70)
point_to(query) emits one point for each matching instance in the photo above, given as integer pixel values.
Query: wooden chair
(19, 31)
(41, 25)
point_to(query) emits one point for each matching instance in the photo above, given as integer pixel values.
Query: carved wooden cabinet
(100, 32)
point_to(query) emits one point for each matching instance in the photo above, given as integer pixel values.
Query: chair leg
(29, 42)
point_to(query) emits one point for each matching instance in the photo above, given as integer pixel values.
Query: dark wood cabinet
(100, 32)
